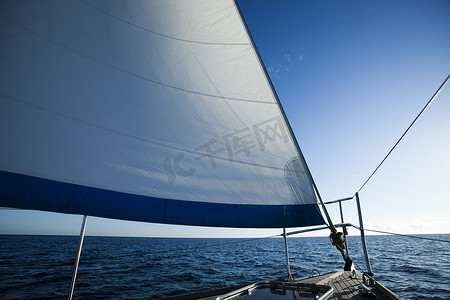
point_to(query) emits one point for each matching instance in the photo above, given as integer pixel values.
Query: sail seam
(160, 34)
(133, 136)
(131, 73)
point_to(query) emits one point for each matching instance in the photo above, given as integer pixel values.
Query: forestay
(157, 111)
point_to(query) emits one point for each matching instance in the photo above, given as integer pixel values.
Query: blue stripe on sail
(28, 192)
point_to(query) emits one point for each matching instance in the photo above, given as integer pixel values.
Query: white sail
(156, 111)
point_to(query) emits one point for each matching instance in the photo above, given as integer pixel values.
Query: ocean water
(147, 268)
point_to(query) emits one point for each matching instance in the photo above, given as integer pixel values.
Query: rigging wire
(272, 236)
(409, 235)
(421, 112)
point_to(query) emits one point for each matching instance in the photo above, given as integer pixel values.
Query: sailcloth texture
(156, 111)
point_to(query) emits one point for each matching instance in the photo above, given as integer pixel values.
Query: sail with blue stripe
(154, 111)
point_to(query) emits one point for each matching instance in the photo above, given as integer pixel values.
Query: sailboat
(156, 111)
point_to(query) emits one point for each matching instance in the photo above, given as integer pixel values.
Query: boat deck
(345, 286)
(334, 285)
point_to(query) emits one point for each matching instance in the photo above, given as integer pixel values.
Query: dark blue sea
(148, 268)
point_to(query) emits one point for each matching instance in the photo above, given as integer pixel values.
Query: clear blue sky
(351, 76)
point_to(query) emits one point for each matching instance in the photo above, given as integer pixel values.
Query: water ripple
(136, 268)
